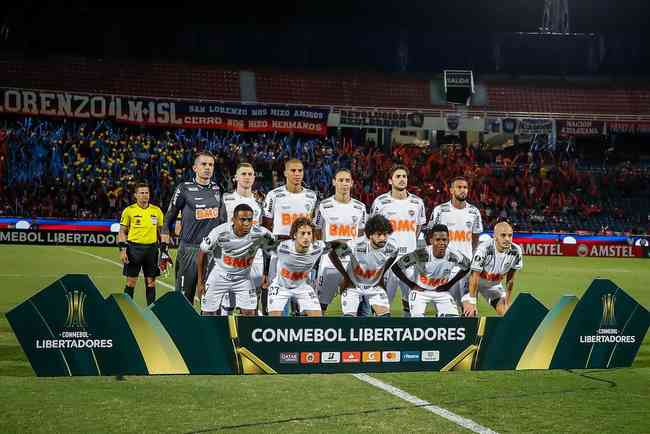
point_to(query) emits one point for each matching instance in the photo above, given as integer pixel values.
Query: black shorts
(142, 256)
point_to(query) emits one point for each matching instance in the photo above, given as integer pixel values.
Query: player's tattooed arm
(336, 261)
(269, 243)
(447, 286)
(387, 266)
(338, 245)
(403, 264)
(397, 270)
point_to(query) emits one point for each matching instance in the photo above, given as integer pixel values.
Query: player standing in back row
(407, 215)
(200, 201)
(339, 217)
(284, 205)
(464, 223)
(244, 180)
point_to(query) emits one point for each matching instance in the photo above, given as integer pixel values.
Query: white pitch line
(110, 261)
(444, 413)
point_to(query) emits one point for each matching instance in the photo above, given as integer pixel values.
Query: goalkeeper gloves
(165, 259)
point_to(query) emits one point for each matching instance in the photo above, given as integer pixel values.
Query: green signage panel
(69, 329)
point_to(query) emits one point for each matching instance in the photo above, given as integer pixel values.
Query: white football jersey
(293, 268)
(462, 224)
(494, 265)
(231, 200)
(405, 215)
(285, 207)
(367, 264)
(340, 221)
(431, 272)
(234, 255)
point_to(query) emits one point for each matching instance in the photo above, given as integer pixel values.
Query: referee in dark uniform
(140, 225)
(199, 201)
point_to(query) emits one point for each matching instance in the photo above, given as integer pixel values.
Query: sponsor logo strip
(330, 357)
(410, 356)
(371, 357)
(288, 358)
(390, 356)
(351, 356)
(310, 358)
(431, 356)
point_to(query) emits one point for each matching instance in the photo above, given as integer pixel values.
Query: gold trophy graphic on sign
(76, 313)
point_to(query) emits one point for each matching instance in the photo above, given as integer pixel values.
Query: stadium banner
(535, 126)
(628, 127)
(166, 112)
(380, 119)
(69, 329)
(569, 128)
(51, 224)
(583, 248)
(58, 237)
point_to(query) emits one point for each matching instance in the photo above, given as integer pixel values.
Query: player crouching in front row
(433, 267)
(234, 246)
(296, 258)
(370, 257)
(493, 260)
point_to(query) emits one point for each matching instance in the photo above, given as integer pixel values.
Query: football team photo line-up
(292, 254)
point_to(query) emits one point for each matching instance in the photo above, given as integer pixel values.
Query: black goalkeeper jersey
(201, 210)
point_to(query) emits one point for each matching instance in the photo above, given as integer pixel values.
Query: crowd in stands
(62, 168)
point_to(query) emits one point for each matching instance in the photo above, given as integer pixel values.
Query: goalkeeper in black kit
(200, 201)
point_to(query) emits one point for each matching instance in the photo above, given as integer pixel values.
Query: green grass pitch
(534, 401)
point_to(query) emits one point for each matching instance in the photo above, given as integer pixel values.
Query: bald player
(493, 260)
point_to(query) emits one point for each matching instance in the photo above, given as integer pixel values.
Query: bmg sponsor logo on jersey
(288, 358)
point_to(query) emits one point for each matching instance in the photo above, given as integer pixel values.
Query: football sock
(151, 295)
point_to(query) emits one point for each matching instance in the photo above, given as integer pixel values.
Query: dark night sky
(316, 31)
(499, 15)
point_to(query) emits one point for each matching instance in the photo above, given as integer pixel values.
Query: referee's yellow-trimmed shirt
(142, 223)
